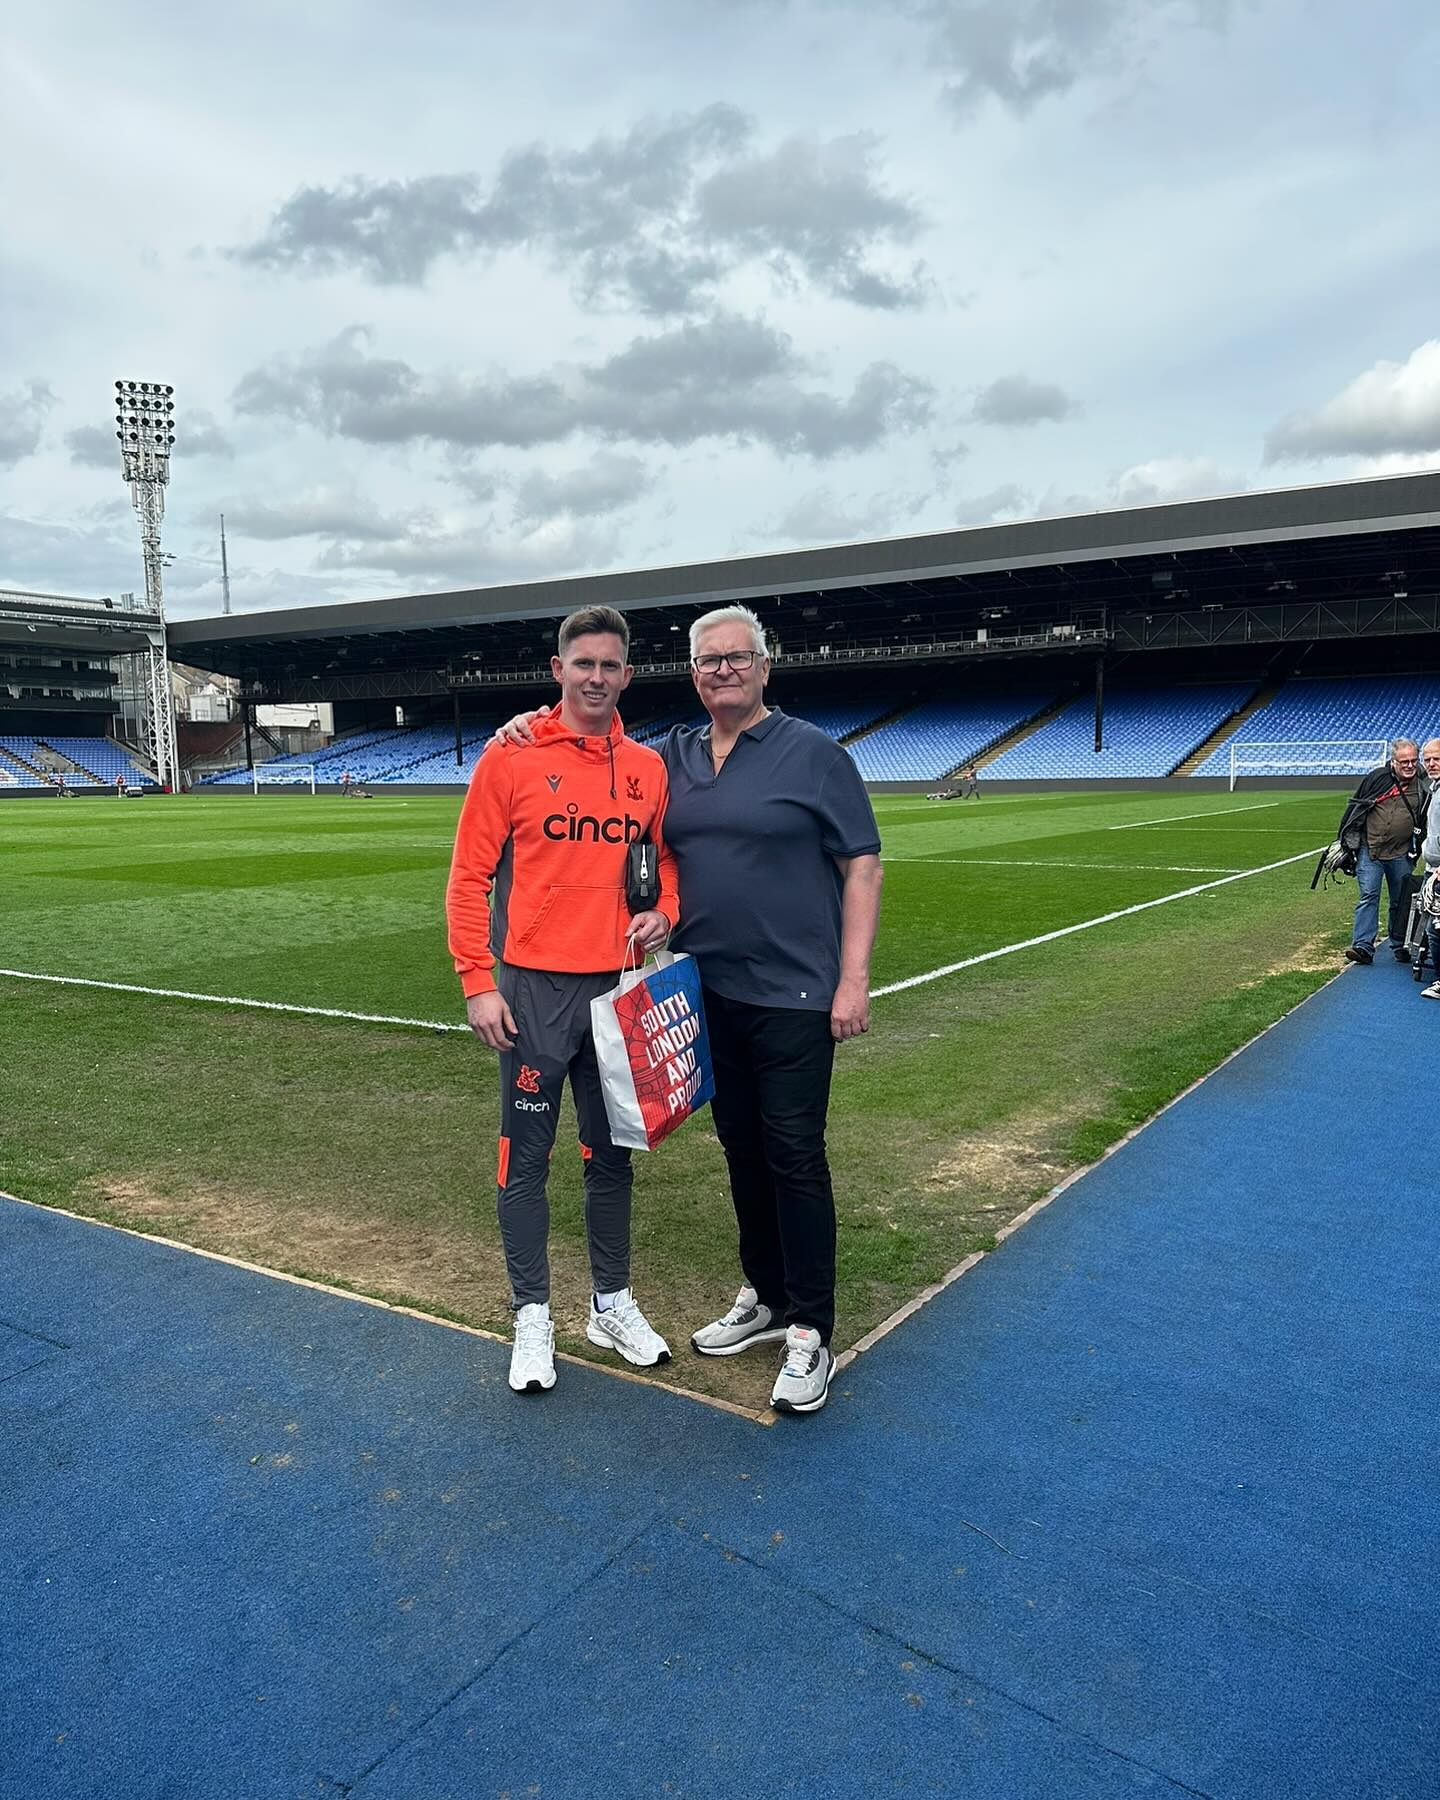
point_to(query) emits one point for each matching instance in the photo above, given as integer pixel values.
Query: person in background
(1430, 764)
(1431, 854)
(1389, 808)
(969, 783)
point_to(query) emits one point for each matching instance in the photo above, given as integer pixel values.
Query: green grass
(364, 1154)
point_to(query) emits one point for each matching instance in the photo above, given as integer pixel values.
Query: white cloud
(1392, 409)
(22, 420)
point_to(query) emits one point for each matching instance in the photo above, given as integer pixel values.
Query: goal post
(292, 777)
(1306, 756)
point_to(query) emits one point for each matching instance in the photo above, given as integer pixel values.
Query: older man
(778, 857)
(1388, 809)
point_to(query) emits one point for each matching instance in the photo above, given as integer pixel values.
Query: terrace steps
(72, 767)
(1223, 732)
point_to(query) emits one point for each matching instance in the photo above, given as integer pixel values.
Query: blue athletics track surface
(1146, 1504)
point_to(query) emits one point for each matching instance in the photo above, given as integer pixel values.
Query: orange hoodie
(539, 863)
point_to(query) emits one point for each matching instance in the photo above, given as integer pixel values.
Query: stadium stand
(1147, 731)
(85, 762)
(936, 736)
(839, 721)
(1356, 707)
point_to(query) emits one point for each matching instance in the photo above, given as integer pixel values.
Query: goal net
(293, 777)
(1306, 756)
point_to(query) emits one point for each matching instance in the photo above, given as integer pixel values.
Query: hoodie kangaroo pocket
(578, 919)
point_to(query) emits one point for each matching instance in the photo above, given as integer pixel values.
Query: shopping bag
(653, 1051)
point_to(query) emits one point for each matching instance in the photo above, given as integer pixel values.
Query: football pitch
(1006, 1047)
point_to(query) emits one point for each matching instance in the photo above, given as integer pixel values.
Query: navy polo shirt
(759, 893)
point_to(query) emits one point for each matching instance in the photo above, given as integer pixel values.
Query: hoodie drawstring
(610, 746)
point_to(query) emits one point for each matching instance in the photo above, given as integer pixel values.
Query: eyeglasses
(739, 660)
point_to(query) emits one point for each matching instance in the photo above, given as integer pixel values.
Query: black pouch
(642, 876)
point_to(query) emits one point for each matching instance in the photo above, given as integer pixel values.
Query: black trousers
(772, 1091)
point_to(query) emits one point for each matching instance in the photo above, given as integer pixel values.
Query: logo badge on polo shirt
(554, 781)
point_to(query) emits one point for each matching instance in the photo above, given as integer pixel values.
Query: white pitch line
(1049, 937)
(317, 1012)
(1213, 812)
(335, 1012)
(1114, 868)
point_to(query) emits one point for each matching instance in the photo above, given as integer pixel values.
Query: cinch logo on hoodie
(542, 884)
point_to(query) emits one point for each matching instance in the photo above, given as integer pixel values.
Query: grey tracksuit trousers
(552, 1040)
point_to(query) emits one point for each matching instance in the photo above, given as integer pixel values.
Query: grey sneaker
(746, 1323)
(803, 1385)
(625, 1328)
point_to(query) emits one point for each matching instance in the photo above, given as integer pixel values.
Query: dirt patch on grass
(997, 1171)
(1315, 956)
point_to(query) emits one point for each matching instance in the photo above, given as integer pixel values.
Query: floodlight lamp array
(145, 427)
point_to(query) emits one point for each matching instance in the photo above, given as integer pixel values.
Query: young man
(539, 927)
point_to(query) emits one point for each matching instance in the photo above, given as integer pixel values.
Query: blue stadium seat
(1357, 708)
(932, 738)
(1147, 731)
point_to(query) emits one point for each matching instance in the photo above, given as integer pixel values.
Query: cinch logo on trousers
(578, 826)
(528, 1080)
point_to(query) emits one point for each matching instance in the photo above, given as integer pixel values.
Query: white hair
(729, 615)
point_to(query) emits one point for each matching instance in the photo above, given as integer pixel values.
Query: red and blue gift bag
(653, 1050)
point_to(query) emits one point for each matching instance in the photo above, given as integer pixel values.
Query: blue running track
(1146, 1504)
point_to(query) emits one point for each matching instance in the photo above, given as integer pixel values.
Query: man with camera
(1387, 815)
(539, 875)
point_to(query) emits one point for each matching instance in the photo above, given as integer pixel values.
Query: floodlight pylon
(145, 427)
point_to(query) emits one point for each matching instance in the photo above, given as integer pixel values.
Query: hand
(517, 730)
(850, 1010)
(491, 1019)
(648, 931)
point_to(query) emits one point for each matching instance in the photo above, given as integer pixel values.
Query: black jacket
(1374, 787)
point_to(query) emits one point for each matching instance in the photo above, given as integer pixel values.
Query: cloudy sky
(477, 293)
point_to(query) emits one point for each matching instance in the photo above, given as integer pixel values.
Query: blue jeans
(1367, 913)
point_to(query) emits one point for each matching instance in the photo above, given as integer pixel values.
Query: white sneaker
(1432, 992)
(746, 1323)
(625, 1328)
(803, 1385)
(532, 1361)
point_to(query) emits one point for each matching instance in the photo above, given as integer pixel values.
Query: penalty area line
(1109, 918)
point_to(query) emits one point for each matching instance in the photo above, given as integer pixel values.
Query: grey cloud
(431, 557)
(93, 448)
(650, 220)
(1393, 408)
(727, 378)
(1017, 400)
(200, 435)
(92, 559)
(606, 484)
(1008, 500)
(22, 420)
(818, 207)
(1020, 52)
(321, 514)
(821, 516)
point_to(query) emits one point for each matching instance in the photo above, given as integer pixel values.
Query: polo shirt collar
(762, 729)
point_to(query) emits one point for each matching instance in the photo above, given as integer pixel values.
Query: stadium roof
(1337, 542)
